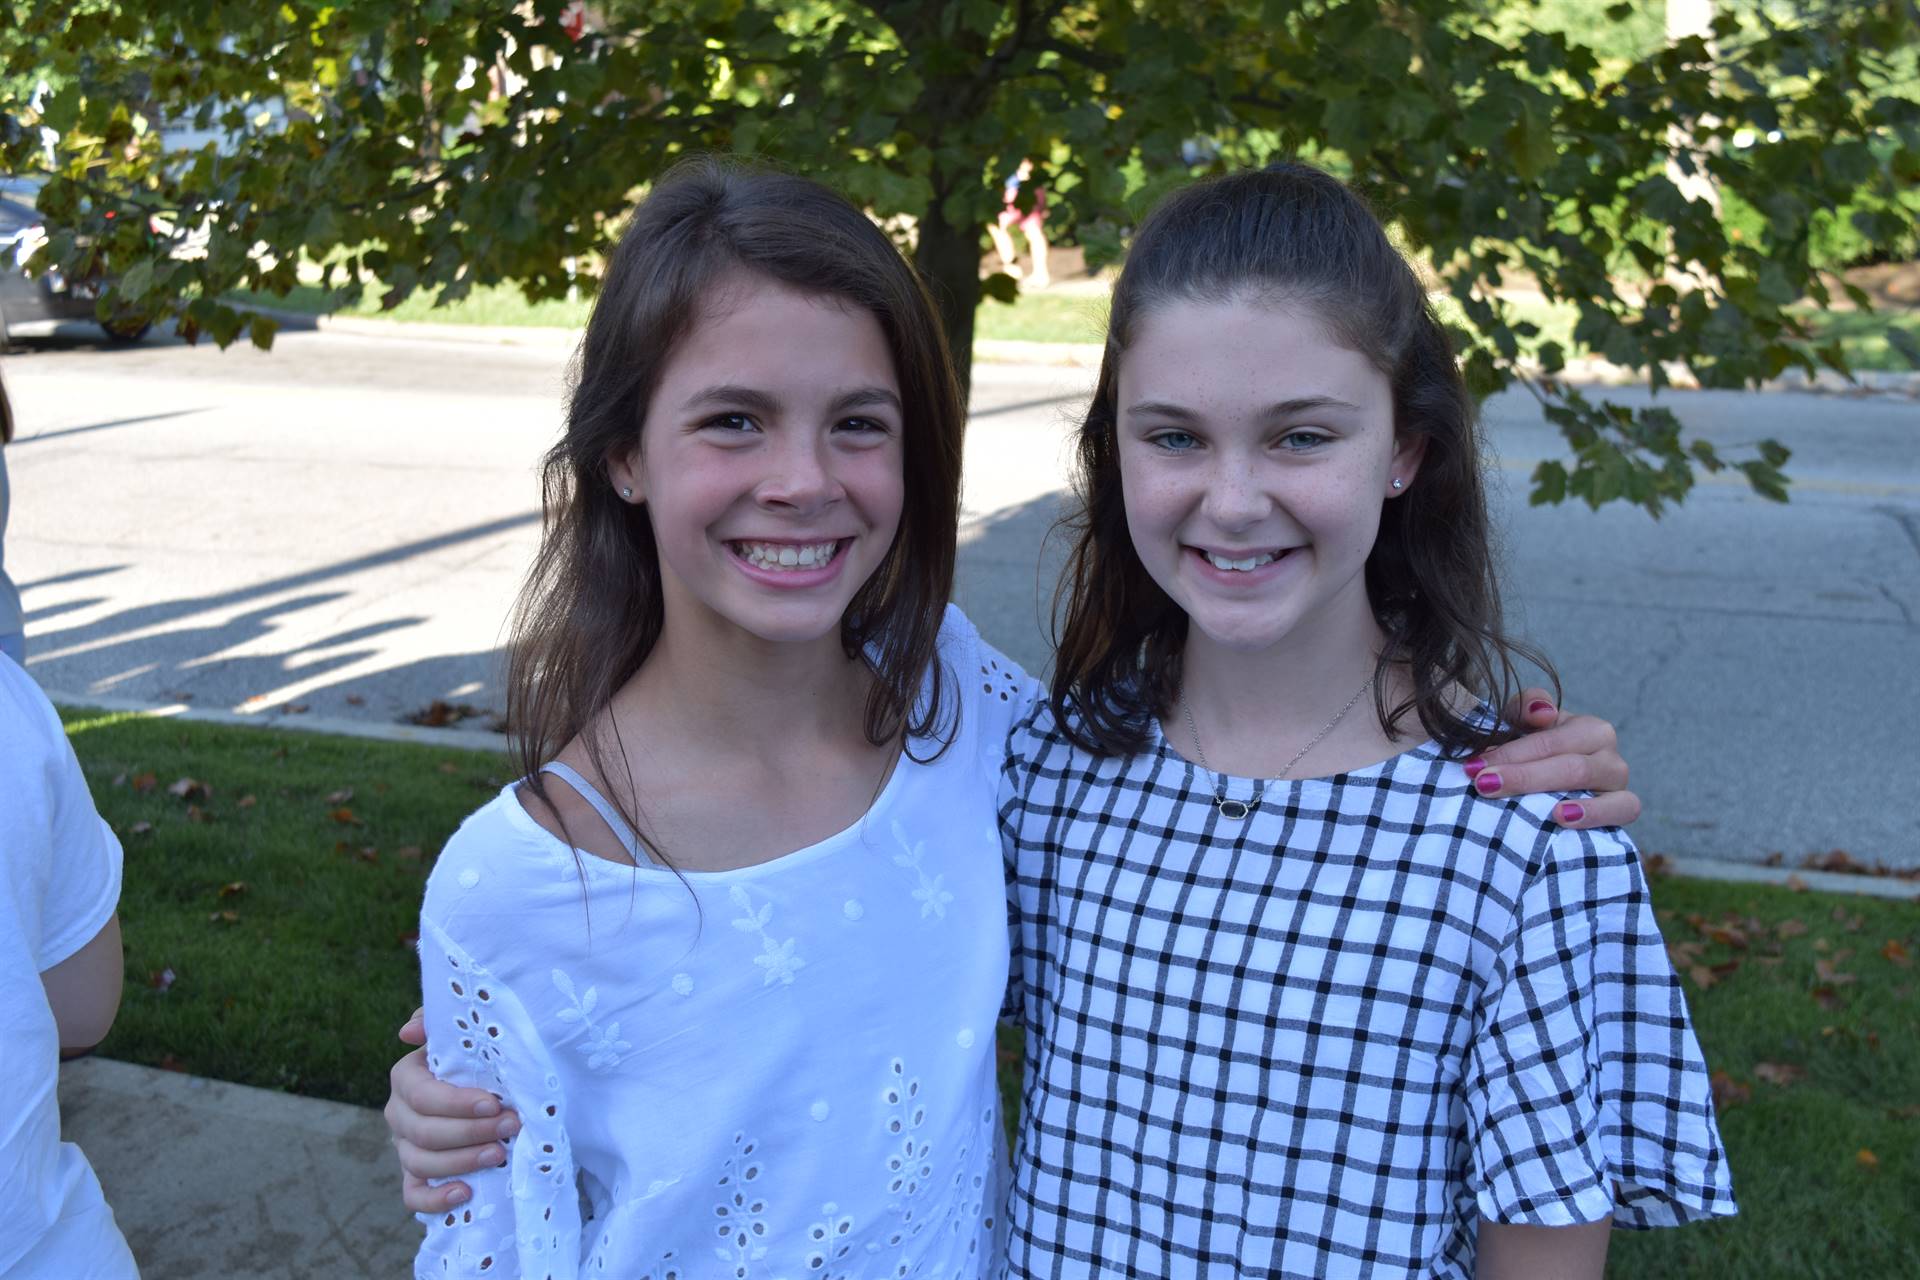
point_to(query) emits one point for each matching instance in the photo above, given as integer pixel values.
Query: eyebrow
(1279, 409)
(758, 401)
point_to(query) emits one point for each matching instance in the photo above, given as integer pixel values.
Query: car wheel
(125, 332)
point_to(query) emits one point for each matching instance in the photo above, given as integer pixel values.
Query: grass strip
(279, 885)
(1043, 316)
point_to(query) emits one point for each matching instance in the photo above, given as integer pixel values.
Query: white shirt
(784, 1070)
(61, 882)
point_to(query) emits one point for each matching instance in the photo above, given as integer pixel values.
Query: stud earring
(626, 491)
(1398, 483)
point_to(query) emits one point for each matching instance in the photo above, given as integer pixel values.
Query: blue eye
(1302, 441)
(1176, 441)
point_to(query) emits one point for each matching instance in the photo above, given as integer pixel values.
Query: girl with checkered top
(1301, 997)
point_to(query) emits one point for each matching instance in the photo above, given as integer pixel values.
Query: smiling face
(1255, 454)
(770, 463)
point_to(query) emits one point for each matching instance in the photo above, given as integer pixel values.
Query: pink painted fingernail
(1538, 705)
(457, 1196)
(1474, 766)
(1571, 812)
(1487, 783)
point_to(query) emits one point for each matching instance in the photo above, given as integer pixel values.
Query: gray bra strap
(622, 832)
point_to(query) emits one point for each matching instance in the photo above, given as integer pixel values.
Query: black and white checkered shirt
(1326, 1040)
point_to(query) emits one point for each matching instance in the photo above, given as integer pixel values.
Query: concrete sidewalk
(215, 1181)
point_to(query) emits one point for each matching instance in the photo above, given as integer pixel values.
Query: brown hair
(1291, 232)
(590, 611)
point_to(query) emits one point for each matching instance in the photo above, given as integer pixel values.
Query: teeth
(1251, 562)
(769, 555)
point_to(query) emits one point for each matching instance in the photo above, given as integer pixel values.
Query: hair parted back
(1291, 235)
(590, 611)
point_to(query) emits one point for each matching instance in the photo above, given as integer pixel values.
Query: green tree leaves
(1550, 146)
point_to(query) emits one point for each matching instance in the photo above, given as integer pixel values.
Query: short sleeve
(1586, 1093)
(52, 834)
(523, 1219)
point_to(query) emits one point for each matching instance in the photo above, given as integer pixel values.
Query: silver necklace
(1239, 809)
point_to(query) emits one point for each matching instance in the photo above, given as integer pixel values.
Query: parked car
(36, 307)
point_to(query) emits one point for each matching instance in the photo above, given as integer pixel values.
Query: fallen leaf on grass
(1828, 999)
(189, 789)
(1790, 929)
(448, 767)
(340, 797)
(1824, 970)
(1868, 1161)
(368, 853)
(1897, 953)
(224, 917)
(1909, 1112)
(1702, 976)
(144, 782)
(1726, 969)
(160, 979)
(1779, 1073)
(140, 829)
(408, 853)
(120, 779)
(170, 1063)
(1851, 923)
(1728, 1092)
(1728, 935)
(1656, 865)
(196, 814)
(1822, 944)
(245, 802)
(345, 818)
(233, 889)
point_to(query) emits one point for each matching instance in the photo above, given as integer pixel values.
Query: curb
(1823, 881)
(478, 740)
(418, 735)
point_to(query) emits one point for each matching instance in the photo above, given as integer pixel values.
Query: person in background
(13, 640)
(1032, 222)
(58, 923)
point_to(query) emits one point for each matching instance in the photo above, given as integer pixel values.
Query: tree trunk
(949, 261)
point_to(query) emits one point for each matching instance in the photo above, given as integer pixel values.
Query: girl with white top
(1302, 998)
(60, 973)
(732, 950)
(725, 946)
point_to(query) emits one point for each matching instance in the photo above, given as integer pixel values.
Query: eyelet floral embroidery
(741, 1211)
(932, 895)
(777, 958)
(602, 1045)
(828, 1237)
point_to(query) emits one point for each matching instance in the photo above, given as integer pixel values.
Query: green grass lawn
(1048, 316)
(283, 908)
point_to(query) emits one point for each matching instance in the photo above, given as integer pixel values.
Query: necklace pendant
(1234, 810)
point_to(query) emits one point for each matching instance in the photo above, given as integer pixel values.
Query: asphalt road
(340, 526)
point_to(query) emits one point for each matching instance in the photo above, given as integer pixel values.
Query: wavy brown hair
(590, 611)
(1292, 233)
